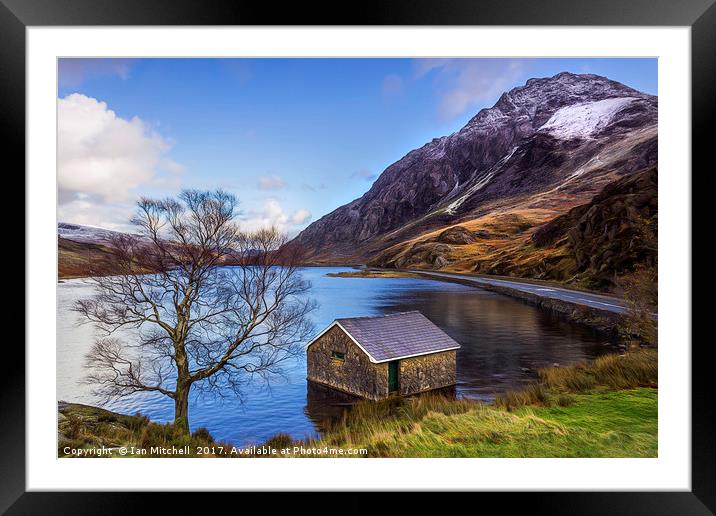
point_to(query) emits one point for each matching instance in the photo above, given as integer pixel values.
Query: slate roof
(395, 336)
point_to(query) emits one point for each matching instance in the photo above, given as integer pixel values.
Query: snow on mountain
(87, 234)
(586, 119)
(479, 183)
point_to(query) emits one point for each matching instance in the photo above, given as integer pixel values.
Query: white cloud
(90, 212)
(462, 84)
(270, 183)
(273, 214)
(102, 158)
(300, 216)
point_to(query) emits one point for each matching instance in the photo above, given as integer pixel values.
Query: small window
(337, 355)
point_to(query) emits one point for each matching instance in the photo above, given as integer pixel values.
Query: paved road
(598, 301)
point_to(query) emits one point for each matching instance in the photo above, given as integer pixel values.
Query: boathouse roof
(394, 336)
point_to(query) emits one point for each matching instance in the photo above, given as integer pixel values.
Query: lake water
(503, 342)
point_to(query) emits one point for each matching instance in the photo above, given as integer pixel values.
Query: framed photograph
(418, 250)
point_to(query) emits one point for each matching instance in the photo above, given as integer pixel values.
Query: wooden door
(393, 376)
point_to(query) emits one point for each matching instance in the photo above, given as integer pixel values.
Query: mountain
(541, 150)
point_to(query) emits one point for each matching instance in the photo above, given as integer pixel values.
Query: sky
(292, 138)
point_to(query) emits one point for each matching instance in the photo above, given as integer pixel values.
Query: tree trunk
(181, 397)
(181, 408)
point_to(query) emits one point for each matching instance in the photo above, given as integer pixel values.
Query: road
(598, 301)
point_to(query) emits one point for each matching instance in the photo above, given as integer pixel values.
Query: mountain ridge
(550, 145)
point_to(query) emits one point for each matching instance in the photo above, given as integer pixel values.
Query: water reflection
(503, 343)
(326, 406)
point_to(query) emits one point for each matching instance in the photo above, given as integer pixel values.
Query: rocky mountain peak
(539, 140)
(539, 98)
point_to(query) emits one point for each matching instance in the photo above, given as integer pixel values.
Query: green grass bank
(604, 408)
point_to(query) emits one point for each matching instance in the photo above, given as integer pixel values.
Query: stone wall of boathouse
(356, 374)
(427, 372)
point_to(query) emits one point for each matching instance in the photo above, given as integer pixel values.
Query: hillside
(84, 251)
(81, 259)
(591, 245)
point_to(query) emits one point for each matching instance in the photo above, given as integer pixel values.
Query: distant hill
(87, 250)
(88, 234)
(84, 250)
(80, 259)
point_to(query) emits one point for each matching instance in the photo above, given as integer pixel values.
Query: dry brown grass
(78, 259)
(506, 250)
(633, 369)
(612, 372)
(533, 394)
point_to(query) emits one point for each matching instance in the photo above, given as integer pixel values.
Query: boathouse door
(393, 376)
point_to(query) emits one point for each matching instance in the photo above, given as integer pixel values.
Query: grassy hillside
(589, 246)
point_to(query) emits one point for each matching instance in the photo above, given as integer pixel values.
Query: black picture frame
(700, 15)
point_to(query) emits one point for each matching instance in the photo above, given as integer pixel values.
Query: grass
(506, 251)
(605, 408)
(533, 394)
(608, 424)
(634, 369)
(613, 372)
(83, 427)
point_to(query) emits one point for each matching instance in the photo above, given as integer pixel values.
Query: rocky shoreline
(601, 320)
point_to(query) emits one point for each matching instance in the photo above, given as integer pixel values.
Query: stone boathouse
(374, 357)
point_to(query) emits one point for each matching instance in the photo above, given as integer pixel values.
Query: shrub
(75, 425)
(641, 297)
(202, 434)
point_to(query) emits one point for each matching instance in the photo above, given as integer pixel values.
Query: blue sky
(293, 138)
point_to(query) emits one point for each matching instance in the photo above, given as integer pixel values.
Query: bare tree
(207, 305)
(641, 286)
(642, 298)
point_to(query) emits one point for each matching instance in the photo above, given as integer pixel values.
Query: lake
(504, 342)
